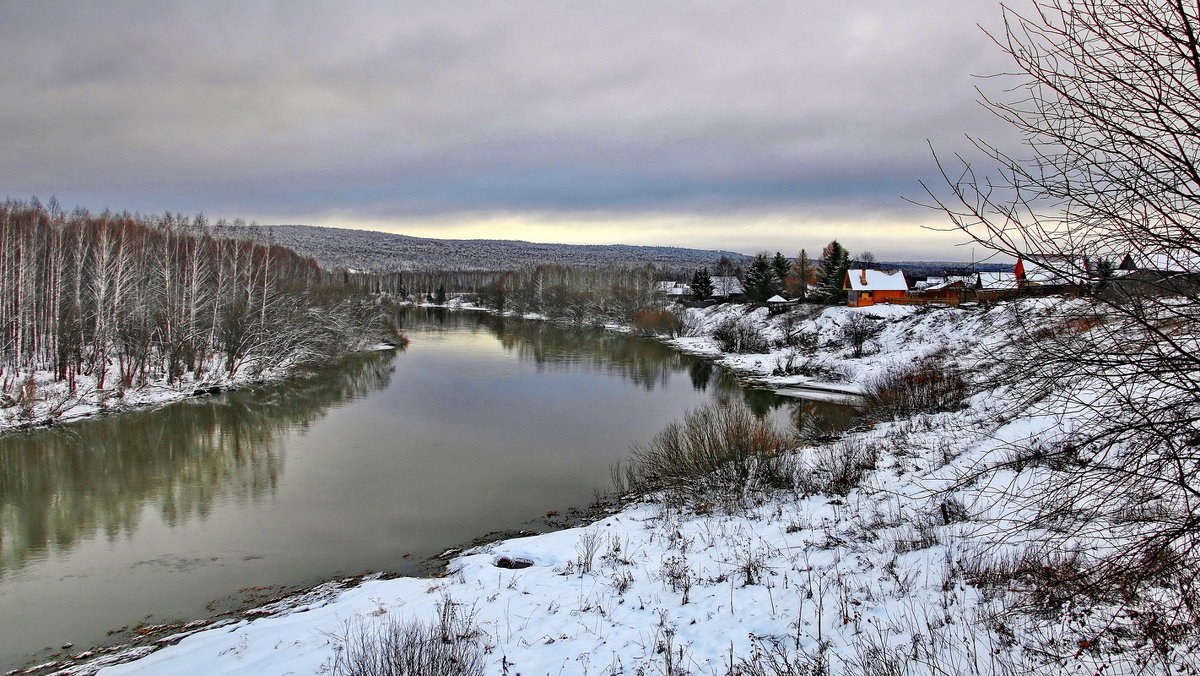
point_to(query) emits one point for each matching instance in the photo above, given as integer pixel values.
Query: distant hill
(388, 252)
(914, 270)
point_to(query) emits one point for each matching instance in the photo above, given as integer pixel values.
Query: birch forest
(125, 300)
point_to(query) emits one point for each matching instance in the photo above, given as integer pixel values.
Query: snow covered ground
(812, 338)
(879, 580)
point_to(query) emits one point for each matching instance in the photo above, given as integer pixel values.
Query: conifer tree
(831, 272)
(761, 282)
(781, 267)
(702, 286)
(800, 276)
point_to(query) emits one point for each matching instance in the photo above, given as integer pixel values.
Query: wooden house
(1172, 273)
(949, 290)
(728, 288)
(868, 287)
(1176, 262)
(674, 291)
(994, 285)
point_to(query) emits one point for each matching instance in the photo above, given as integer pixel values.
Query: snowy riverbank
(881, 578)
(43, 400)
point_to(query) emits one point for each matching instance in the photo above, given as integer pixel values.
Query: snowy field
(881, 578)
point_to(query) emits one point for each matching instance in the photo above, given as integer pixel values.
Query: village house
(1052, 272)
(1177, 262)
(949, 290)
(728, 288)
(675, 291)
(1177, 272)
(868, 287)
(994, 285)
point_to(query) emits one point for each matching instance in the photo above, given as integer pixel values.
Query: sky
(744, 125)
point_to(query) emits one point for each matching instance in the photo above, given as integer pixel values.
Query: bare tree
(858, 330)
(146, 299)
(1107, 98)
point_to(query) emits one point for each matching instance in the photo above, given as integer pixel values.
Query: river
(482, 424)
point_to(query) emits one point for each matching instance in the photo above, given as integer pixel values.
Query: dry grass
(927, 387)
(714, 453)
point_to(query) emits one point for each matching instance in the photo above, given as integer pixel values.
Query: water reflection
(647, 363)
(63, 485)
(555, 347)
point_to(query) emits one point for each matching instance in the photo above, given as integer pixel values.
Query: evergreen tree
(702, 286)
(781, 267)
(761, 282)
(831, 272)
(799, 277)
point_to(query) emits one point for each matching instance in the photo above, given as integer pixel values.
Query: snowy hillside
(387, 252)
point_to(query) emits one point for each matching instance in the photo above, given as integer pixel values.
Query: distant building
(673, 290)
(1175, 272)
(1170, 263)
(728, 288)
(947, 290)
(996, 281)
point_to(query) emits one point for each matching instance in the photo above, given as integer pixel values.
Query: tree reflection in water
(642, 361)
(63, 485)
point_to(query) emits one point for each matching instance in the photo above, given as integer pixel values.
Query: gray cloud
(403, 109)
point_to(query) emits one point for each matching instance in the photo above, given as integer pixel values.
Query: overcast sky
(745, 125)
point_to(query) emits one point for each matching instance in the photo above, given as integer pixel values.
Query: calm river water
(481, 425)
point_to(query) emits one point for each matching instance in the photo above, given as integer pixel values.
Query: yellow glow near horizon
(888, 237)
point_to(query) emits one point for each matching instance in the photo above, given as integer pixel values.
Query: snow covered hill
(388, 252)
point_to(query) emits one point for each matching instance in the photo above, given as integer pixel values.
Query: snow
(907, 333)
(871, 576)
(996, 281)
(54, 402)
(876, 280)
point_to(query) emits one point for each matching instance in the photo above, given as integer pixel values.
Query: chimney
(864, 276)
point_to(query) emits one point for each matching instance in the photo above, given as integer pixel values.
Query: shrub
(927, 387)
(446, 646)
(734, 335)
(838, 469)
(715, 452)
(656, 321)
(857, 331)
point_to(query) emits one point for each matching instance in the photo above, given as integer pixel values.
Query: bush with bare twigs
(715, 452)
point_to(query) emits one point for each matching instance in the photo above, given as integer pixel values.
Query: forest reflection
(92, 478)
(642, 361)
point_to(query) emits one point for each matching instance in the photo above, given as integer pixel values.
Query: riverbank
(252, 603)
(835, 350)
(906, 568)
(47, 401)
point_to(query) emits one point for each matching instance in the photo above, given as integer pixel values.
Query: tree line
(134, 298)
(802, 279)
(560, 292)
